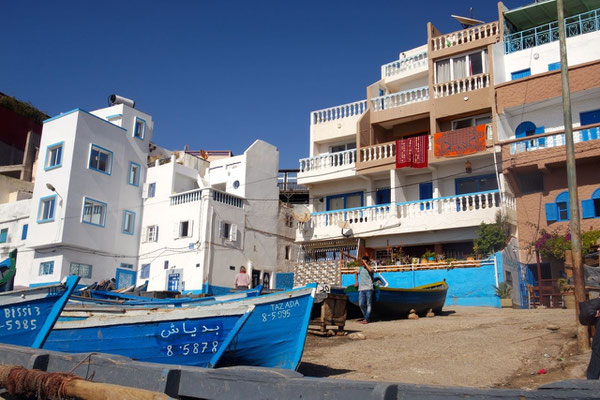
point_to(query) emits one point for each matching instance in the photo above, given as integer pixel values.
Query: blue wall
(466, 286)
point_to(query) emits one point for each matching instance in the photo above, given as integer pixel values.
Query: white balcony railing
(329, 160)
(400, 98)
(465, 36)
(352, 215)
(196, 195)
(343, 111)
(404, 65)
(533, 143)
(462, 85)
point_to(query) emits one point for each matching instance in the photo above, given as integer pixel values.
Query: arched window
(590, 208)
(559, 210)
(526, 128)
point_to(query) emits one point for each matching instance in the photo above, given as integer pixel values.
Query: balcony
(218, 196)
(400, 98)
(477, 35)
(405, 66)
(553, 140)
(339, 112)
(327, 166)
(458, 211)
(463, 85)
(575, 25)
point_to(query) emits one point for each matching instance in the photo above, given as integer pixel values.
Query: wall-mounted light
(468, 167)
(321, 200)
(53, 189)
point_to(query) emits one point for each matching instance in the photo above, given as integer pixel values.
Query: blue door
(173, 284)
(124, 278)
(426, 193)
(383, 196)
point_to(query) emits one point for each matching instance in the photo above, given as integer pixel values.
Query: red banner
(459, 142)
(412, 152)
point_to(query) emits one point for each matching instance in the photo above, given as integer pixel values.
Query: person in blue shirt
(364, 282)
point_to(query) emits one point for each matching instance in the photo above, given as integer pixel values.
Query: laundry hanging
(412, 152)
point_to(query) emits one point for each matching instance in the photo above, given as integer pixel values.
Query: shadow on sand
(320, 371)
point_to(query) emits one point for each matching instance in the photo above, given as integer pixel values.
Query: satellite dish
(301, 213)
(466, 21)
(343, 224)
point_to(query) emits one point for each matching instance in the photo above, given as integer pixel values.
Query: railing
(400, 98)
(404, 64)
(351, 215)
(465, 36)
(329, 160)
(533, 143)
(186, 197)
(291, 187)
(575, 25)
(431, 265)
(227, 198)
(196, 195)
(462, 85)
(383, 151)
(343, 111)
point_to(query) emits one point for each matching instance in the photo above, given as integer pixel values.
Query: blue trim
(104, 216)
(24, 231)
(554, 66)
(139, 174)
(119, 272)
(145, 274)
(143, 129)
(3, 235)
(114, 116)
(46, 262)
(125, 213)
(587, 209)
(42, 200)
(41, 337)
(34, 285)
(520, 74)
(104, 150)
(52, 147)
(233, 334)
(83, 111)
(151, 190)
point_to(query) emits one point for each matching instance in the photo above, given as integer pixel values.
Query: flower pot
(569, 300)
(506, 303)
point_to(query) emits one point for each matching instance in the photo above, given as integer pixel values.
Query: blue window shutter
(589, 117)
(24, 233)
(587, 208)
(520, 74)
(551, 212)
(541, 141)
(554, 66)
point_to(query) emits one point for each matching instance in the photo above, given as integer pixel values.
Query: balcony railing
(575, 25)
(382, 151)
(343, 111)
(465, 36)
(450, 205)
(462, 85)
(329, 160)
(533, 143)
(226, 198)
(400, 98)
(186, 197)
(405, 64)
(196, 195)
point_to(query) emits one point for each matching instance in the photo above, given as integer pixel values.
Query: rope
(20, 381)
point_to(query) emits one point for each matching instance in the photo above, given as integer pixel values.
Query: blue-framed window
(134, 173)
(474, 184)
(53, 156)
(590, 208)
(426, 193)
(46, 268)
(94, 212)
(343, 201)
(101, 159)
(81, 270)
(559, 210)
(383, 196)
(528, 128)
(520, 74)
(145, 271)
(554, 66)
(24, 231)
(126, 266)
(139, 128)
(124, 278)
(128, 222)
(3, 235)
(46, 209)
(151, 190)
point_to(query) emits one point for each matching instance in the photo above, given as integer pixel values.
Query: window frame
(50, 270)
(126, 266)
(3, 235)
(135, 124)
(49, 149)
(87, 276)
(145, 271)
(484, 65)
(127, 213)
(588, 206)
(104, 214)
(154, 229)
(152, 190)
(43, 200)
(24, 231)
(553, 211)
(101, 149)
(137, 178)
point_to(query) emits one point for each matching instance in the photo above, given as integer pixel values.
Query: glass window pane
(442, 69)
(336, 203)
(459, 67)
(475, 64)
(354, 201)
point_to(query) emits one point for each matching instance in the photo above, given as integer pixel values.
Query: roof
(544, 12)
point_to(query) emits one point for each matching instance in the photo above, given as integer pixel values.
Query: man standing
(364, 282)
(593, 369)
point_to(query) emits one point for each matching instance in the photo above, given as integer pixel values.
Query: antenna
(301, 213)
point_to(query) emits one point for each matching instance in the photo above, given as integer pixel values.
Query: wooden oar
(55, 385)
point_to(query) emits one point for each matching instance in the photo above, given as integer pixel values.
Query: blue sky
(215, 74)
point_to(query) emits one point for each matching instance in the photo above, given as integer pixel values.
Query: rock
(553, 327)
(430, 313)
(357, 336)
(413, 315)
(330, 333)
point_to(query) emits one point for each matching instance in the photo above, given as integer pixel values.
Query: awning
(330, 244)
(544, 12)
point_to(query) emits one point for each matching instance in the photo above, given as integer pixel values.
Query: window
(166, 264)
(101, 159)
(471, 121)
(47, 268)
(228, 231)
(342, 147)
(139, 128)
(476, 184)
(530, 182)
(82, 270)
(152, 233)
(589, 117)
(346, 200)
(128, 266)
(94, 212)
(554, 66)
(590, 208)
(288, 252)
(183, 229)
(559, 210)
(24, 231)
(128, 222)
(289, 220)
(383, 195)
(461, 67)
(134, 174)
(53, 156)
(145, 271)
(3, 235)
(149, 190)
(520, 74)
(46, 209)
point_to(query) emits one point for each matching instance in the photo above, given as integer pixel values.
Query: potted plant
(503, 291)
(428, 256)
(567, 293)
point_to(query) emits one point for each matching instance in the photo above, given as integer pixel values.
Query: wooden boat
(7, 271)
(390, 302)
(28, 315)
(195, 336)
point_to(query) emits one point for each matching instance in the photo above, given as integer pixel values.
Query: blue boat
(397, 302)
(27, 316)
(196, 336)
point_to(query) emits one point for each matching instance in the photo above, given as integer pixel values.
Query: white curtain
(442, 69)
(459, 67)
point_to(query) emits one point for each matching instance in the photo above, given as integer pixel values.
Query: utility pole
(583, 339)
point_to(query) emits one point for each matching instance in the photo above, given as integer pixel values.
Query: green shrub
(492, 237)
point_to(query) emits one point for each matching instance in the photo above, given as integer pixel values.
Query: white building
(14, 226)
